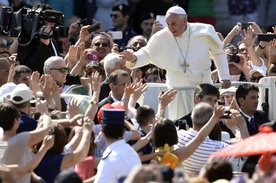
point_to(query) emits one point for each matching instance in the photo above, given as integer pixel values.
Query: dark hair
(113, 131)
(206, 89)
(22, 105)
(8, 113)
(60, 141)
(20, 69)
(165, 132)
(218, 169)
(243, 91)
(144, 114)
(115, 74)
(215, 134)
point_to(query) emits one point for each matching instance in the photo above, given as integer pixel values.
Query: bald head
(201, 114)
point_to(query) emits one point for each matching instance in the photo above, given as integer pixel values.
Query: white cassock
(196, 45)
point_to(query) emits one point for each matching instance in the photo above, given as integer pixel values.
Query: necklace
(184, 65)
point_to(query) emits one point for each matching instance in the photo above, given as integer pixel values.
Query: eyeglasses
(61, 69)
(114, 15)
(104, 44)
(253, 78)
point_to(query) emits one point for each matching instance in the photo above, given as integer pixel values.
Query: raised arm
(249, 40)
(96, 87)
(20, 171)
(38, 134)
(163, 100)
(187, 150)
(81, 152)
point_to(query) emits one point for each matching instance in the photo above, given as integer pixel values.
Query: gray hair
(130, 42)
(103, 35)
(49, 62)
(110, 61)
(201, 114)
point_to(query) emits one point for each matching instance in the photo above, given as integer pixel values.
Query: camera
(93, 56)
(26, 22)
(33, 104)
(233, 57)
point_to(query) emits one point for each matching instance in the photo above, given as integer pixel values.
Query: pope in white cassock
(183, 49)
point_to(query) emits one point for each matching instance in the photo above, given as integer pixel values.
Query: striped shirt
(198, 159)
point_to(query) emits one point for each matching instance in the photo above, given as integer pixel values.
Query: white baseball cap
(21, 93)
(251, 72)
(6, 89)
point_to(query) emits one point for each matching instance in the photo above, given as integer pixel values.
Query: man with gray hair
(184, 50)
(201, 113)
(112, 62)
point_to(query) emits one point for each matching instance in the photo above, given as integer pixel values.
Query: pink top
(85, 169)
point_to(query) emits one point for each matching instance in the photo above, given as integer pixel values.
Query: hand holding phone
(95, 26)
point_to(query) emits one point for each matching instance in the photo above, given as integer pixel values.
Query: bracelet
(262, 47)
(94, 103)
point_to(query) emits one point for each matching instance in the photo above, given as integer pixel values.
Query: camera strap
(54, 48)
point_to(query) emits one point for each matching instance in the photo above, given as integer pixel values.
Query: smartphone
(266, 37)
(116, 35)
(94, 27)
(245, 25)
(161, 19)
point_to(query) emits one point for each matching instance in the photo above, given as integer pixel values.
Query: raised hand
(165, 98)
(34, 82)
(73, 106)
(72, 55)
(46, 85)
(219, 111)
(11, 74)
(84, 33)
(96, 81)
(48, 141)
(142, 87)
(248, 38)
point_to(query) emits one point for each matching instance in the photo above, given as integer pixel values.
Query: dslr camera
(233, 57)
(26, 23)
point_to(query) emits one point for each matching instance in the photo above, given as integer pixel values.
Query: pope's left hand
(225, 83)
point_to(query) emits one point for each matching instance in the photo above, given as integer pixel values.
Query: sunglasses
(114, 15)
(61, 69)
(101, 44)
(253, 78)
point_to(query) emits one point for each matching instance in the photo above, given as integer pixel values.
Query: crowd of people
(70, 108)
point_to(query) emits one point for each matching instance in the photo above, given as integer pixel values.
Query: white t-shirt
(17, 151)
